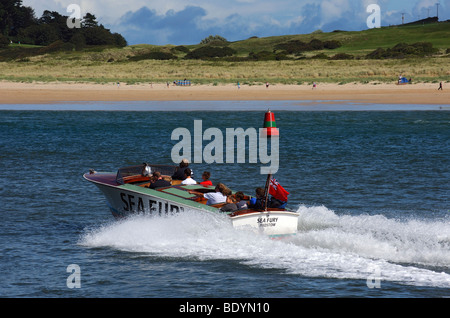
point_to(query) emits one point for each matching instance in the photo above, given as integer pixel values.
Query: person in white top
(188, 179)
(219, 196)
(215, 198)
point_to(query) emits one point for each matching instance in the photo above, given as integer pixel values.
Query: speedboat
(127, 192)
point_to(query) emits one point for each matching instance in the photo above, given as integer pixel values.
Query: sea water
(371, 187)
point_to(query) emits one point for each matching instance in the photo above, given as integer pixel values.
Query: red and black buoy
(270, 126)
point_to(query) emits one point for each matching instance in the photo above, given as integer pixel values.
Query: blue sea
(371, 184)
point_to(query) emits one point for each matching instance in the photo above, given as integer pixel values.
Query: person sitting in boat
(159, 182)
(168, 179)
(258, 201)
(219, 196)
(188, 179)
(179, 173)
(146, 170)
(205, 176)
(215, 197)
(231, 205)
(276, 203)
(241, 203)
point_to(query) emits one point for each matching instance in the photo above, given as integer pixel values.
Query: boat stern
(271, 223)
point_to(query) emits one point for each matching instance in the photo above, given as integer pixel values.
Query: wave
(415, 241)
(412, 252)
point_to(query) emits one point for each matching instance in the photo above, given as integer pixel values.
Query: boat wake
(410, 252)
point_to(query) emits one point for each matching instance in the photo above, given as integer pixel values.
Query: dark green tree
(3, 41)
(89, 21)
(40, 34)
(14, 16)
(19, 23)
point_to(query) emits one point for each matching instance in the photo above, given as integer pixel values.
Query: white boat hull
(272, 223)
(124, 200)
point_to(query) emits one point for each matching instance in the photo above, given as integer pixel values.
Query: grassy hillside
(362, 42)
(135, 64)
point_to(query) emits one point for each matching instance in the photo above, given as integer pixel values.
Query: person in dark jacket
(230, 206)
(159, 181)
(258, 201)
(179, 173)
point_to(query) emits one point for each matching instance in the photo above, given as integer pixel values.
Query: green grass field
(106, 65)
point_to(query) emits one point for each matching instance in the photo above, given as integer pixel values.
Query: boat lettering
(130, 201)
(152, 205)
(125, 202)
(141, 205)
(267, 221)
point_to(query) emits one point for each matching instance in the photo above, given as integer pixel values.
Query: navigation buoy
(270, 126)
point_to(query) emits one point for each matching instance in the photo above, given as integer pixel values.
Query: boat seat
(135, 179)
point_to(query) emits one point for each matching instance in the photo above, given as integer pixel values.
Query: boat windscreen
(143, 170)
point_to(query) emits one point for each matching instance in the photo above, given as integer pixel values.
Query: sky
(187, 22)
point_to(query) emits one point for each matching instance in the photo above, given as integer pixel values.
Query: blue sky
(188, 22)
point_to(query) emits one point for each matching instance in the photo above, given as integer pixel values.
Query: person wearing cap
(179, 173)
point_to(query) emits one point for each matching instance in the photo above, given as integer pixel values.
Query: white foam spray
(412, 252)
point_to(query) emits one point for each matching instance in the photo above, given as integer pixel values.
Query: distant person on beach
(440, 87)
(267, 84)
(314, 85)
(238, 85)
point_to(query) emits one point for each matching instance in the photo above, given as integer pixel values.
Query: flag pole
(266, 191)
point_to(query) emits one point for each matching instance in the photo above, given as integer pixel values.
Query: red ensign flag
(277, 191)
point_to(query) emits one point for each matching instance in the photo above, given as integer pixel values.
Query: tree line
(19, 24)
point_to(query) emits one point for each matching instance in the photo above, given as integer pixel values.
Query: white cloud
(334, 9)
(425, 7)
(235, 19)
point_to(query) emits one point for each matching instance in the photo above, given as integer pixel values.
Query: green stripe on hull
(167, 196)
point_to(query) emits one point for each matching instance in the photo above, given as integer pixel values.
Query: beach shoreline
(49, 93)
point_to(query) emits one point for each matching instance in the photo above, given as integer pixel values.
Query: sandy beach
(47, 93)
